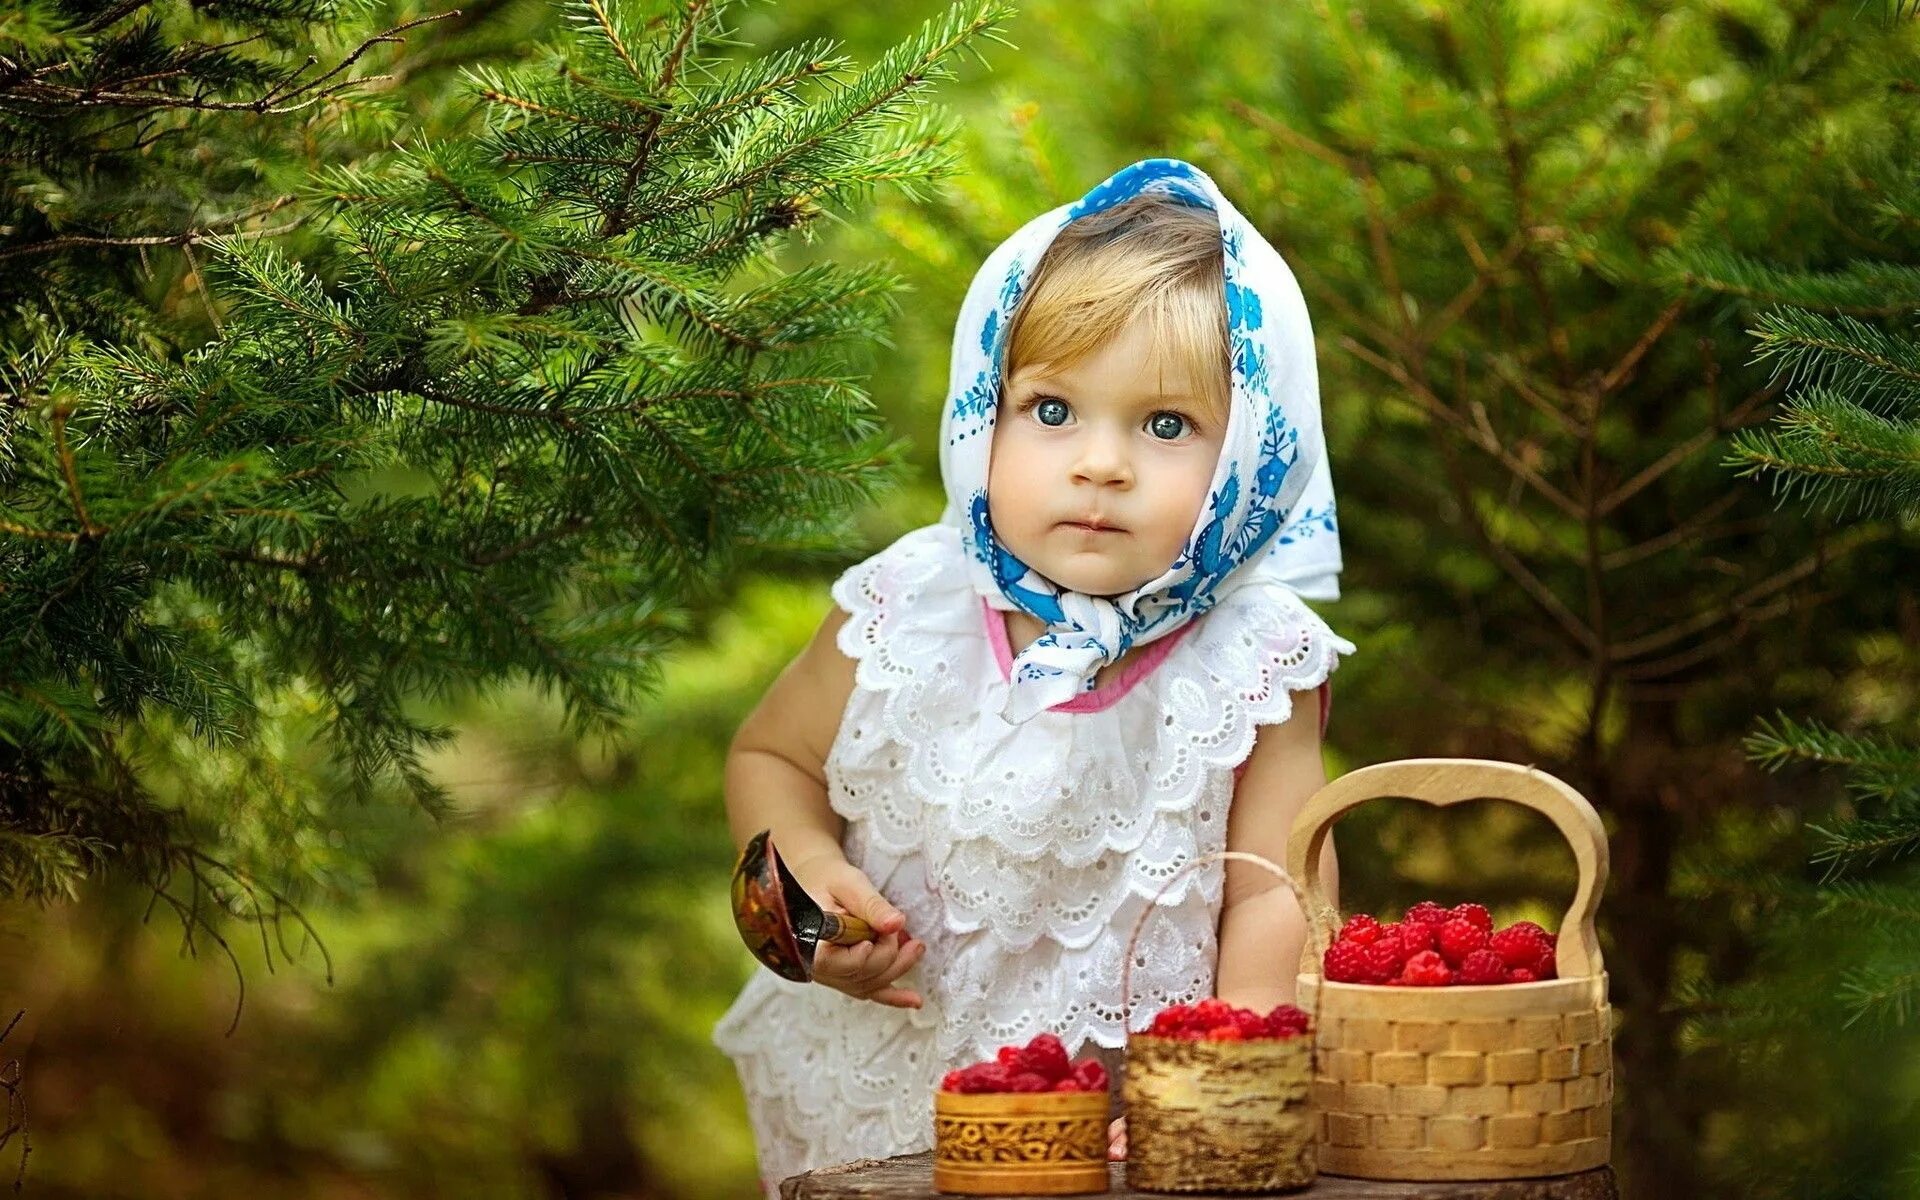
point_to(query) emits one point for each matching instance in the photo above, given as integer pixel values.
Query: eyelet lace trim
(1114, 800)
(1023, 856)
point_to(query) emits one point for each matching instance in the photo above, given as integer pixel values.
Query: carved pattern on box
(1020, 1143)
(1021, 1139)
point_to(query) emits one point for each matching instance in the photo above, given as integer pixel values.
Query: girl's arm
(1262, 929)
(1261, 926)
(776, 779)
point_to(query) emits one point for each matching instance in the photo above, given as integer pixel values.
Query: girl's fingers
(854, 893)
(873, 969)
(860, 968)
(858, 956)
(893, 958)
(837, 966)
(874, 980)
(883, 916)
(897, 966)
(829, 962)
(910, 954)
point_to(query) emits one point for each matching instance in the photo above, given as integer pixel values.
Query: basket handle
(1444, 781)
(1126, 964)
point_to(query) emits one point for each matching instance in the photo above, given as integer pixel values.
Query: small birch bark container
(1217, 1116)
(1504, 1081)
(1020, 1143)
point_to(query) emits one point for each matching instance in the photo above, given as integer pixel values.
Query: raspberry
(1171, 1022)
(1046, 1057)
(1397, 943)
(953, 1081)
(1028, 1081)
(1482, 966)
(1346, 962)
(1522, 945)
(1069, 1084)
(1091, 1074)
(990, 1077)
(1460, 937)
(1521, 975)
(1224, 1033)
(1427, 969)
(1415, 936)
(1250, 1024)
(1530, 927)
(1008, 1056)
(1360, 928)
(1427, 913)
(1549, 967)
(1477, 913)
(1212, 1012)
(1384, 959)
(1286, 1021)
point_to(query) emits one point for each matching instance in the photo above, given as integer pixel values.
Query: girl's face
(1101, 443)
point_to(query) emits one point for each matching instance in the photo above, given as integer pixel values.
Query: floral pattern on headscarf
(1269, 515)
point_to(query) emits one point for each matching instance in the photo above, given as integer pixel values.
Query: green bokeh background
(520, 997)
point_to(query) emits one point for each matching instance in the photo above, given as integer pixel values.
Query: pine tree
(1848, 441)
(533, 395)
(131, 133)
(1476, 200)
(1840, 958)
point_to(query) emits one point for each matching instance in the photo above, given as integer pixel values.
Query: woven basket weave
(1503, 1081)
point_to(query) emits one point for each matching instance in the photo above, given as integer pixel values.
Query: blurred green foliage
(523, 993)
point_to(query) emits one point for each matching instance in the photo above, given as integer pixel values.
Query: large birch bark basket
(1216, 1116)
(1504, 1081)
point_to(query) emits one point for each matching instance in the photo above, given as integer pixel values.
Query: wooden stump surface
(910, 1177)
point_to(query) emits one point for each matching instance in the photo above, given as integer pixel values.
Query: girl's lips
(1084, 528)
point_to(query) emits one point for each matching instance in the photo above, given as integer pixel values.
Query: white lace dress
(1022, 855)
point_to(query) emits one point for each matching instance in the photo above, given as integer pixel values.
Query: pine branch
(1829, 451)
(1740, 605)
(1875, 368)
(1885, 995)
(200, 234)
(1862, 844)
(31, 87)
(1886, 907)
(784, 147)
(472, 440)
(1877, 766)
(1865, 288)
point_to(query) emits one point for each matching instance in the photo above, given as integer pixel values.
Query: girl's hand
(1117, 1140)
(865, 970)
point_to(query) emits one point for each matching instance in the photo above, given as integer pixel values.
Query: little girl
(1019, 721)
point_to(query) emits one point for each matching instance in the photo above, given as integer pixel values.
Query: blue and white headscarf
(1269, 515)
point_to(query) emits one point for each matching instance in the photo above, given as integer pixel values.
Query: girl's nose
(1101, 458)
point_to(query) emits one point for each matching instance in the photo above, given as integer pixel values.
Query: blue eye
(1051, 406)
(1167, 425)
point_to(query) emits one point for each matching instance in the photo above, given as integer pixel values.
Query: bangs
(1144, 259)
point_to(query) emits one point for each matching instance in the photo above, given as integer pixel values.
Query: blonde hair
(1145, 257)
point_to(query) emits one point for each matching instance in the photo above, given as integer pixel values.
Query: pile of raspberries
(1039, 1066)
(1434, 947)
(1214, 1020)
